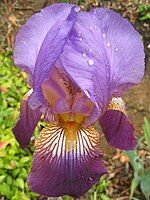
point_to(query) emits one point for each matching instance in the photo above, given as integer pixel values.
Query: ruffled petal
(117, 127)
(67, 160)
(26, 124)
(104, 53)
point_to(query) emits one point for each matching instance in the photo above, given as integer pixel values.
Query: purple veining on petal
(57, 171)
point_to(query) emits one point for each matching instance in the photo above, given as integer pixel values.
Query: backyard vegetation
(15, 163)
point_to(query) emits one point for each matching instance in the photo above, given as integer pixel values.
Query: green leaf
(1, 163)
(5, 190)
(9, 180)
(146, 129)
(2, 177)
(145, 185)
(20, 183)
(135, 182)
(137, 165)
(104, 197)
(24, 159)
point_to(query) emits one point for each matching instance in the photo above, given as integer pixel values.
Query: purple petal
(26, 124)
(118, 130)
(31, 36)
(46, 45)
(64, 163)
(104, 53)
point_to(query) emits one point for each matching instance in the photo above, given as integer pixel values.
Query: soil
(13, 13)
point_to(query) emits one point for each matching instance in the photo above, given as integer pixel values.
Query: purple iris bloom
(79, 65)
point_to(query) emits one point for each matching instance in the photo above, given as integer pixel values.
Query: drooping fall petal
(117, 127)
(67, 160)
(26, 124)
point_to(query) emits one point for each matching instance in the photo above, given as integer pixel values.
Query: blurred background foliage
(129, 172)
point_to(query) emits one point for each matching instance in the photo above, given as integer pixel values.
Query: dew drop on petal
(90, 50)
(95, 26)
(79, 33)
(94, 94)
(95, 12)
(77, 9)
(84, 55)
(91, 28)
(64, 51)
(116, 49)
(91, 62)
(76, 73)
(104, 35)
(78, 24)
(96, 67)
(108, 44)
(88, 94)
(80, 39)
(91, 179)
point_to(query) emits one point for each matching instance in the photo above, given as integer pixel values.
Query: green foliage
(14, 162)
(99, 191)
(144, 12)
(141, 175)
(146, 129)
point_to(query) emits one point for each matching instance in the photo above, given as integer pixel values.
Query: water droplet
(91, 62)
(78, 24)
(76, 74)
(84, 55)
(94, 94)
(116, 49)
(95, 26)
(91, 28)
(77, 9)
(88, 94)
(34, 103)
(108, 44)
(90, 50)
(91, 179)
(79, 33)
(95, 12)
(80, 39)
(96, 67)
(64, 51)
(104, 35)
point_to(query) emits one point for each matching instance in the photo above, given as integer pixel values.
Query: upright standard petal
(26, 124)
(117, 127)
(67, 160)
(108, 51)
(31, 36)
(47, 45)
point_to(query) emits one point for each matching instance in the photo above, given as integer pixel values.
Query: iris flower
(79, 65)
